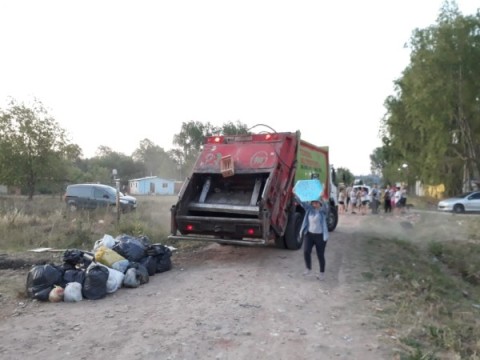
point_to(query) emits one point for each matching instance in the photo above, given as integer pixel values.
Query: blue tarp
(308, 190)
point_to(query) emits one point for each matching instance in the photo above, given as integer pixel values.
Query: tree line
(37, 156)
(431, 128)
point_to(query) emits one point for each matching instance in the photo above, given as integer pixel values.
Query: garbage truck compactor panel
(240, 190)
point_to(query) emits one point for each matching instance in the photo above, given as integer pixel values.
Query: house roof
(150, 178)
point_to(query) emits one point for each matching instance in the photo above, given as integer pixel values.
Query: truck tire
(332, 219)
(292, 239)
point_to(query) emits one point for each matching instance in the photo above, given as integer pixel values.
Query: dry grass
(45, 222)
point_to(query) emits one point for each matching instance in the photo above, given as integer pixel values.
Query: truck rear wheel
(332, 219)
(293, 240)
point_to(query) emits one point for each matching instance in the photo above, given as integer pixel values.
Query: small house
(151, 185)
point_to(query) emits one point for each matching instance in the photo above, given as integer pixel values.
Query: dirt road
(221, 302)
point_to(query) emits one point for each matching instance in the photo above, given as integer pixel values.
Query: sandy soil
(219, 302)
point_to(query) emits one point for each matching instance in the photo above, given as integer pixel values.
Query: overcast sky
(116, 72)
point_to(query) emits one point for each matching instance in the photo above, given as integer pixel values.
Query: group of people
(394, 198)
(359, 199)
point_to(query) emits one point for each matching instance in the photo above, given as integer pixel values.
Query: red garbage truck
(240, 190)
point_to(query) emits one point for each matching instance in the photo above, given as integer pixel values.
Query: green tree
(433, 121)
(377, 161)
(233, 128)
(33, 147)
(192, 135)
(156, 160)
(345, 176)
(178, 158)
(106, 160)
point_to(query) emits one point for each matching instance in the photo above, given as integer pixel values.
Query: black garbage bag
(74, 275)
(150, 264)
(162, 255)
(41, 280)
(158, 249)
(76, 258)
(130, 247)
(164, 263)
(141, 271)
(73, 256)
(95, 284)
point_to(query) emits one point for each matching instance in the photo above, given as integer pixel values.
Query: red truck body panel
(249, 153)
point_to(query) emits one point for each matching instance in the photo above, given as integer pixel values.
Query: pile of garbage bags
(124, 261)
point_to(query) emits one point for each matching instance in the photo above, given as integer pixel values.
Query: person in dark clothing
(387, 200)
(374, 199)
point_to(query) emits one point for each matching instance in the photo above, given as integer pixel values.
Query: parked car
(467, 202)
(92, 196)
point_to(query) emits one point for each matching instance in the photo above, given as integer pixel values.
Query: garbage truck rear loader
(240, 190)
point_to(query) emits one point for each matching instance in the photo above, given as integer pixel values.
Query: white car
(469, 201)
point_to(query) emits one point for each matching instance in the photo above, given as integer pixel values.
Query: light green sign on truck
(312, 163)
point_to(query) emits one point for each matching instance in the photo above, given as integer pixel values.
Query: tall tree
(233, 128)
(33, 147)
(433, 121)
(191, 137)
(377, 161)
(107, 160)
(345, 176)
(156, 160)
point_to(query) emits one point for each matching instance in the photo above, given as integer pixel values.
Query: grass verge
(427, 296)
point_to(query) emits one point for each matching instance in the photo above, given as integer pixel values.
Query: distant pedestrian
(348, 191)
(353, 200)
(341, 201)
(374, 198)
(397, 207)
(363, 201)
(387, 200)
(402, 203)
